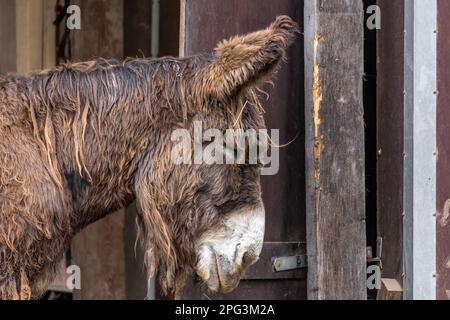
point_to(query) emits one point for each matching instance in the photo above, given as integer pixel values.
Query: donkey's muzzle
(225, 252)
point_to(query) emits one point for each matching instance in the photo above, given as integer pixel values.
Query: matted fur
(82, 140)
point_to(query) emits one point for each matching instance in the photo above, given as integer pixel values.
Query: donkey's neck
(105, 116)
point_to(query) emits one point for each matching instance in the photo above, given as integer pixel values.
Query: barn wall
(7, 36)
(390, 55)
(335, 151)
(36, 34)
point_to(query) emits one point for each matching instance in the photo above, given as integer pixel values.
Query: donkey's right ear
(244, 60)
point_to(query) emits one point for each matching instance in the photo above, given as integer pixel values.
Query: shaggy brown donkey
(82, 140)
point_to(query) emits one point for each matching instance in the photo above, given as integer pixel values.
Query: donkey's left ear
(242, 61)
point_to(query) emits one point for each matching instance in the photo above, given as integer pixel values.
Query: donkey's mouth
(225, 252)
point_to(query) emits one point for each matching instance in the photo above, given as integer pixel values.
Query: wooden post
(335, 182)
(7, 36)
(99, 249)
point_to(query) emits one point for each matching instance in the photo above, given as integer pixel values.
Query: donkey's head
(202, 214)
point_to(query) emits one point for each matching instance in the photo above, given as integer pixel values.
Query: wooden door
(203, 24)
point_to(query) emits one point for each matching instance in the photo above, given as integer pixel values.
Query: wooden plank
(137, 28)
(29, 25)
(48, 34)
(99, 252)
(36, 49)
(99, 249)
(390, 86)
(182, 35)
(135, 272)
(283, 194)
(136, 42)
(268, 289)
(443, 160)
(335, 186)
(7, 36)
(370, 120)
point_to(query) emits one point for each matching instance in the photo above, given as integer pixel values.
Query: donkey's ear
(241, 61)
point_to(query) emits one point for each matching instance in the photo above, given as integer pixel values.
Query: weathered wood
(335, 181)
(370, 116)
(390, 119)
(29, 25)
(99, 252)
(203, 24)
(7, 36)
(101, 33)
(169, 28)
(137, 28)
(391, 289)
(264, 268)
(443, 160)
(99, 249)
(419, 177)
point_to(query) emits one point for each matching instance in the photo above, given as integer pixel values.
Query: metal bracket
(281, 264)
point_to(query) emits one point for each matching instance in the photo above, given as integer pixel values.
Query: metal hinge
(280, 264)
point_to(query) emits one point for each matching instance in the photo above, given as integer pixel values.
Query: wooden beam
(391, 289)
(335, 182)
(7, 36)
(443, 160)
(48, 34)
(99, 252)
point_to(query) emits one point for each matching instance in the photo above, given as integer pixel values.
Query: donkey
(82, 140)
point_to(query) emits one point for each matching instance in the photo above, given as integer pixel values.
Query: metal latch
(281, 264)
